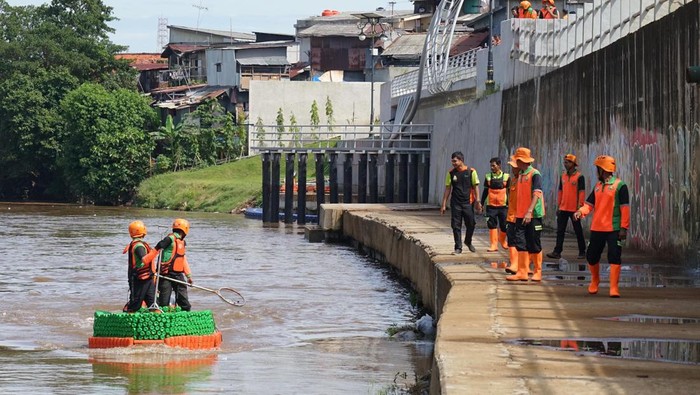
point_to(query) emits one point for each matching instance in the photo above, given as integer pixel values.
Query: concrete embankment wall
(629, 100)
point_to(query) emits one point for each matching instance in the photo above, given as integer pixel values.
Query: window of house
(218, 67)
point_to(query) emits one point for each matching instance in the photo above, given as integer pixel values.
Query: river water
(314, 322)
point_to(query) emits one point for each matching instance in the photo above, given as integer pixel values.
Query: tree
(315, 120)
(46, 52)
(260, 132)
(280, 126)
(295, 131)
(240, 137)
(107, 153)
(329, 113)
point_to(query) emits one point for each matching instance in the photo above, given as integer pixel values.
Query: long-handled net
(227, 294)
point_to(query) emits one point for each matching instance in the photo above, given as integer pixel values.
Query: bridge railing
(459, 67)
(340, 138)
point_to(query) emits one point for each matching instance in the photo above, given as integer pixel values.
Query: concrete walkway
(481, 315)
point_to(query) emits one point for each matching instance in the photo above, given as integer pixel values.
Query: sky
(137, 26)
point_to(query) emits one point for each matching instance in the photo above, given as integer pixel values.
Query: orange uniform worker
(549, 10)
(141, 287)
(462, 187)
(609, 202)
(528, 216)
(511, 228)
(525, 11)
(173, 265)
(572, 187)
(495, 199)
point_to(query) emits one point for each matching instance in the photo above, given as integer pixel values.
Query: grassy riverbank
(220, 188)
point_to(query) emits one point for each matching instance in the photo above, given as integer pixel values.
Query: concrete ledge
(479, 314)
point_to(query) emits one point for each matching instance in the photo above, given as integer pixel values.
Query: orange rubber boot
(595, 279)
(529, 269)
(513, 268)
(521, 274)
(502, 239)
(537, 259)
(614, 280)
(493, 235)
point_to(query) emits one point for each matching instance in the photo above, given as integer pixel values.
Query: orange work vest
(512, 201)
(176, 263)
(569, 194)
(497, 193)
(525, 195)
(144, 272)
(608, 214)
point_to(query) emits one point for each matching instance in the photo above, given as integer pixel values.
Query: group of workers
(514, 207)
(145, 271)
(525, 10)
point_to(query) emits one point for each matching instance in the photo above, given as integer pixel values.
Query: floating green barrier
(144, 325)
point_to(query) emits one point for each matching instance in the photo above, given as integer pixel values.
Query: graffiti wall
(629, 100)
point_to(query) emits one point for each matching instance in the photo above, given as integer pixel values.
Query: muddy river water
(314, 323)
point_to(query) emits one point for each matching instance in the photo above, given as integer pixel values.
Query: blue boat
(256, 213)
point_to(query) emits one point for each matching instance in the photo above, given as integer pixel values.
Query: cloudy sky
(137, 27)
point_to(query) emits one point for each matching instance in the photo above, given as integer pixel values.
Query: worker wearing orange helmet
(571, 195)
(609, 202)
(529, 213)
(525, 11)
(173, 265)
(141, 287)
(549, 10)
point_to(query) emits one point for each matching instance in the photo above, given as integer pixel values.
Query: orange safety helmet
(605, 162)
(137, 229)
(181, 224)
(550, 2)
(525, 5)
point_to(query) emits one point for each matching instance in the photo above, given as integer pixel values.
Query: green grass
(222, 188)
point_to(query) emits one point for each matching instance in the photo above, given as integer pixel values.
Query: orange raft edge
(202, 342)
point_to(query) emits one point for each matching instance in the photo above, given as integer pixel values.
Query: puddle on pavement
(652, 319)
(661, 350)
(563, 272)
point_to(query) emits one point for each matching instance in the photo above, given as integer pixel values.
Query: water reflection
(676, 351)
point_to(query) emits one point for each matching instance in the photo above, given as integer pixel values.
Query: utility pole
(392, 3)
(490, 83)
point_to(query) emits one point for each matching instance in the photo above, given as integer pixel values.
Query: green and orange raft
(172, 327)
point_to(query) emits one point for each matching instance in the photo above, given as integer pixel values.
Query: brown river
(314, 323)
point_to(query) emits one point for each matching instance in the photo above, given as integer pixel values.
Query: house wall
(228, 75)
(351, 101)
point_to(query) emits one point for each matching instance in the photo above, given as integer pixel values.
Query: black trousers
(166, 288)
(496, 217)
(562, 220)
(527, 237)
(511, 233)
(141, 291)
(597, 244)
(462, 212)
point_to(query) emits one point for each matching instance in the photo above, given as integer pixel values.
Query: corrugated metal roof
(328, 30)
(222, 33)
(263, 61)
(194, 97)
(408, 45)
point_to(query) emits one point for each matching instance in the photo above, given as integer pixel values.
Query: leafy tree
(329, 113)
(315, 120)
(260, 132)
(107, 153)
(295, 131)
(280, 126)
(240, 137)
(46, 52)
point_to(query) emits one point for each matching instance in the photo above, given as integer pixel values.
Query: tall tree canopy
(46, 52)
(107, 153)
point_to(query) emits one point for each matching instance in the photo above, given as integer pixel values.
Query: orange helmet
(550, 2)
(181, 224)
(525, 5)
(605, 162)
(137, 229)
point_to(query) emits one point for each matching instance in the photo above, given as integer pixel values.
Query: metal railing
(339, 138)
(459, 67)
(555, 43)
